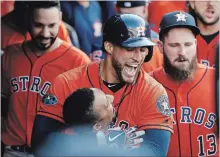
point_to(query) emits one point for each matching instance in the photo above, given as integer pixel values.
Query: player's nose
(137, 54)
(182, 51)
(45, 32)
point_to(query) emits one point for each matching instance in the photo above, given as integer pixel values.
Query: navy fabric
(156, 143)
(84, 20)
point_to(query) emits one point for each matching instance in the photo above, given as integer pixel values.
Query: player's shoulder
(14, 49)
(148, 80)
(206, 70)
(73, 51)
(76, 74)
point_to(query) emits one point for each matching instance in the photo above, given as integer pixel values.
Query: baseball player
(206, 14)
(13, 28)
(138, 99)
(190, 87)
(86, 127)
(28, 70)
(141, 8)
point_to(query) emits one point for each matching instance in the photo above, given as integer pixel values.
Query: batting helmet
(128, 30)
(178, 19)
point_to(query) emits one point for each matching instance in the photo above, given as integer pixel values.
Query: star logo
(181, 17)
(140, 31)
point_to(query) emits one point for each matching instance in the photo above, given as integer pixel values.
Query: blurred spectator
(206, 14)
(86, 18)
(108, 9)
(14, 29)
(135, 7)
(157, 9)
(141, 8)
(6, 6)
(73, 35)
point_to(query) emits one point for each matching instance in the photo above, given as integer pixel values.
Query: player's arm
(49, 117)
(156, 119)
(43, 126)
(155, 143)
(5, 88)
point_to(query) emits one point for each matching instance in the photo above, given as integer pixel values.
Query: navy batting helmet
(178, 19)
(128, 30)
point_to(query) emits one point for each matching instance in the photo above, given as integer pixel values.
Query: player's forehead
(99, 96)
(180, 34)
(46, 15)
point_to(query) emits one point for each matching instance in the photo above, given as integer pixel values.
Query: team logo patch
(181, 17)
(163, 105)
(49, 99)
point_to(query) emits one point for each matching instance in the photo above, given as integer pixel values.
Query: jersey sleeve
(59, 91)
(155, 113)
(5, 88)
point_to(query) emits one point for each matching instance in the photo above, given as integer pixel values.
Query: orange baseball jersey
(156, 60)
(25, 79)
(10, 36)
(193, 106)
(6, 6)
(144, 104)
(161, 8)
(206, 53)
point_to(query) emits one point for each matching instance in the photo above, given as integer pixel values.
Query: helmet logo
(181, 17)
(136, 32)
(141, 31)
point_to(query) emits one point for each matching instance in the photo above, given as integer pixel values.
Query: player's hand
(129, 138)
(101, 138)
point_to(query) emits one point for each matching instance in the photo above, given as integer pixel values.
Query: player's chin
(129, 79)
(44, 46)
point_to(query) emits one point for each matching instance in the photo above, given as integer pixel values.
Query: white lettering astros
(23, 83)
(198, 117)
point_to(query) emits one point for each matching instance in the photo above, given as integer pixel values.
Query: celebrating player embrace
(138, 99)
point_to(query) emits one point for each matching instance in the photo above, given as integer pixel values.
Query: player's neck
(107, 72)
(55, 45)
(208, 29)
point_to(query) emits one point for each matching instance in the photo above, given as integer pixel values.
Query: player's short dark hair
(43, 4)
(78, 108)
(32, 5)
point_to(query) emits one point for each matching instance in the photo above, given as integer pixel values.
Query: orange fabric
(6, 6)
(138, 110)
(25, 79)
(156, 60)
(157, 9)
(193, 107)
(206, 53)
(10, 36)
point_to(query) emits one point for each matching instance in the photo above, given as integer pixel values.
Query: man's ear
(160, 46)
(192, 4)
(97, 127)
(108, 47)
(196, 41)
(60, 16)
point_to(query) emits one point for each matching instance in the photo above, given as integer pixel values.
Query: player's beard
(41, 46)
(118, 69)
(177, 74)
(204, 22)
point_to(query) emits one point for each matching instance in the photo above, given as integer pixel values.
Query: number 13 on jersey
(207, 145)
